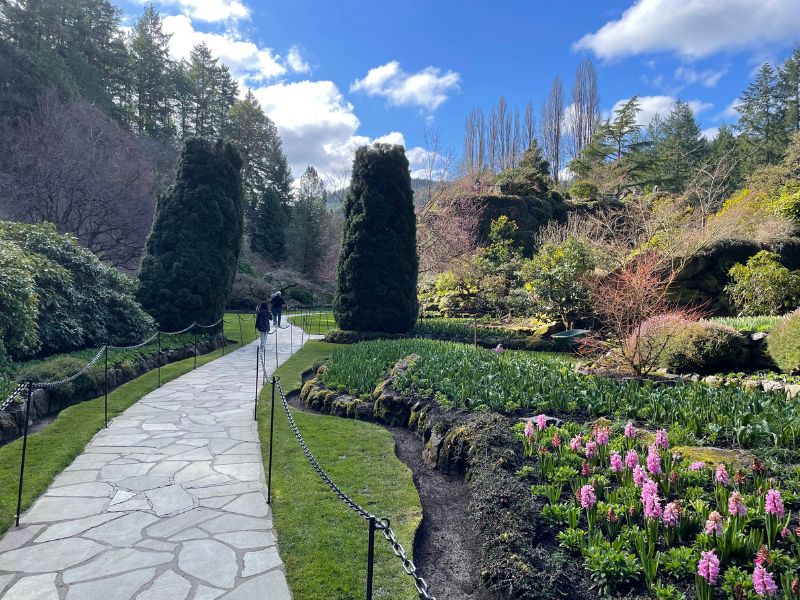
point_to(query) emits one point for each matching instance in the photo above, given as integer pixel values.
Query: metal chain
(144, 343)
(13, 395)
(178, 332)
(209, 326)
(381, 523)
(49, 384)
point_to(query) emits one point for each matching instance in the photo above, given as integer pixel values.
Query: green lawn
(322, 542)
(56, 446)
(316, 323)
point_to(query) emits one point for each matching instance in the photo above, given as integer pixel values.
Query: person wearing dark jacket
(277, 307)
(263, 317)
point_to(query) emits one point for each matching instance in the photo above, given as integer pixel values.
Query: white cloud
(730, 111)
(710, 133)
(428, 88)
(708, 78)
(296, 61)
(210, 11)
(694, 28)
(247, 61)
(650, 106)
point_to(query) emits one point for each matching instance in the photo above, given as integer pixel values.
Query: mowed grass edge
(321, 540)
(54, 447)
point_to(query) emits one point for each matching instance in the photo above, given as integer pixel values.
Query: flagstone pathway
(167, 503)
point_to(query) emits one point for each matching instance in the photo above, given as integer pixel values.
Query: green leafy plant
(610, 568)
(679, 562)
(783, 345)
(763, 286)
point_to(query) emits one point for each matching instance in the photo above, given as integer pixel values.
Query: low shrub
(704, 347)
(763, 286)
(89, 385)
(583, 190)
(340, 336)
(783, 344)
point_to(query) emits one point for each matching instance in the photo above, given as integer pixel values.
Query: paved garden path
(168, 503)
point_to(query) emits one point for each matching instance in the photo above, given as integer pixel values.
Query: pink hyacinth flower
(708, 567)
(588, 497)
(736, 507)
(591, 449)
(576, 443)
(616, 462)
(639, 475)
(650, 501)
(556, 440)
(541, 422)
(661, 439)
(721, 475)
(630, 431)
(529, 429)
(774, 504)
(654, 460)
(672, 514)
(601, 434)
(698, 465)
(714, 523)
(631, 459)
(763, 583)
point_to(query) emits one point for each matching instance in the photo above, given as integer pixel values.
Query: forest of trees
(93, 116)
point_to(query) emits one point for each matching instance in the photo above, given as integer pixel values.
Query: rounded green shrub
(583, 190)
(783, 344)
(763, 286)
(705, 347)
(88, 385)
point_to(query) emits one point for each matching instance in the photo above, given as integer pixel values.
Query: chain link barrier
(382, 524)
(89, 365)
(13, 395)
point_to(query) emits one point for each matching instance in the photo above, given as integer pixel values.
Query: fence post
(195, 345)
(475, 331)
(255, 404)
(158, 357)
(271, 429)
(291, 337)
(277, 329)
(370, 556)
(241, 335)
(224, 337)
(106, 385)
(24, 450)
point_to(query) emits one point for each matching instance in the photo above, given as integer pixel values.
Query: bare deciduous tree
(71, 165)
(528, 127)
(447, 232)
(584, 110)
(553, 126)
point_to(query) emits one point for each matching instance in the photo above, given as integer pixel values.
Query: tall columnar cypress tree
(192, 253)
(378, 266)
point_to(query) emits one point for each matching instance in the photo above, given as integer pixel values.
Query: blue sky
(334, 75)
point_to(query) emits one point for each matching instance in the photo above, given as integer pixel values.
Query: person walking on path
(277, 307)
(263, 317)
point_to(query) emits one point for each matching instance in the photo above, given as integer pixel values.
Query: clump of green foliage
(702, 346)
(192, 253)
(583, 190)
(748, 324)
(763, 286)
(531, 178)
(378, 266)
(783, 343)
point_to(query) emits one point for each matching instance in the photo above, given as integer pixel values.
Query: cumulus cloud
(711, 133)
(210, 11)
(707, 78)
(248, 61)
(659, 105)
(694, 28)
(427, 89)
(296, 61)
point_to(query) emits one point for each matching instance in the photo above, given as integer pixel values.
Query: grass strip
(322, 542)
(54, 447)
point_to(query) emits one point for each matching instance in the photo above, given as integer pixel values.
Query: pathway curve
(167, 503)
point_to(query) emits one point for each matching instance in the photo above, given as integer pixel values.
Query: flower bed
(638, 512)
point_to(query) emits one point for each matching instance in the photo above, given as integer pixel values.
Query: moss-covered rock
(739, 459)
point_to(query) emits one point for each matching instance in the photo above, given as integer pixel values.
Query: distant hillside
(420, 187)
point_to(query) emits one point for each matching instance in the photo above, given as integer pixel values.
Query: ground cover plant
(323, 543)
(54, 447)
(641, 514)
(461, 376)
(751, 324)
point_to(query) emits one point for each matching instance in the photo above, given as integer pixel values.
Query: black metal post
(106, 386)
(24, 450)
(291, 338)
(271, 423)
(158, 358)
(255, 404)
(276, 348)
(370, 556)
(241, 335)
(195, 346)
(475, 331)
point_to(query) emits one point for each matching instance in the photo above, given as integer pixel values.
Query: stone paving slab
(168, 502)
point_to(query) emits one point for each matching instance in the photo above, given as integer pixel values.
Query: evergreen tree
(761, 120)
(378, 265)
(193, 250)
(789, 90)
(202, 75)
(680, 148)
(152, 79)
(268, 226)
(304, 236)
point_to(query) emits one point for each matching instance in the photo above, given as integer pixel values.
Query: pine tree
(304, 236)
(192, 253)
(268, 226)
(151, 75)
(680, 148)
(761, 120)
(789, 89)
(378, 265)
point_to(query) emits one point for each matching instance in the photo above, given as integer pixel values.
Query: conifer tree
(193, 250)
(378, 265)
(304, 236)
(762, 120)
(680, 148)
